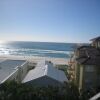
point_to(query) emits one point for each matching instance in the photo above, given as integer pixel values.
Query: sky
(49, 20)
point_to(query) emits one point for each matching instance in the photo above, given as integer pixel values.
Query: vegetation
(63, 68)
(87, 94)
(82, 95)
(14, 91)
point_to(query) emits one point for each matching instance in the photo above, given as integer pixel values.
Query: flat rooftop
(8, 66)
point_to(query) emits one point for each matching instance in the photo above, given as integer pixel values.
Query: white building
(12, 70)
(45, 74)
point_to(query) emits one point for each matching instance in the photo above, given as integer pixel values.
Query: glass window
(98, 44)
(89, 68)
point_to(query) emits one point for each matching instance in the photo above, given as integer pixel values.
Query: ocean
(43, 49)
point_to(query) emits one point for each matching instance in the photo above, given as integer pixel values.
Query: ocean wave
(34, 52)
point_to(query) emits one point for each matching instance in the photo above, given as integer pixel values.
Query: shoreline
(35, 59)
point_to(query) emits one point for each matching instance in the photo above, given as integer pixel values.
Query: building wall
(77, 73)
(99, 44)
(18, 74)
(88, 77)
(81, 77)
(84, 75)
(98, 75)
(96, 44)
(23, 69)
(13, 76)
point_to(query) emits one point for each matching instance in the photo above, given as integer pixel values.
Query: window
(99, 44)
(89, 68)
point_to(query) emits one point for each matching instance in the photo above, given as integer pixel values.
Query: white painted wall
(18, 74)
(23, 69)
(12, 76)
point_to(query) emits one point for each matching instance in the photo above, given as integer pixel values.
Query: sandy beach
(36, 59)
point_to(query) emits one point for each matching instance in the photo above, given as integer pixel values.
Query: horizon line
(41, 41)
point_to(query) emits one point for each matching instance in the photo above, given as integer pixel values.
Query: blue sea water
(44, 49)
